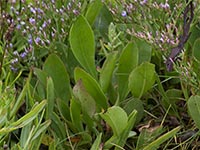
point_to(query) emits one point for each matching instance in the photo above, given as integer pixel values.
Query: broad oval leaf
(41, 75)
(135, 104)
(144, 50)
(75, 114)
(93, 11)
(196, 49)
(107, 71)
(55, 68)
(117, 119)
(142, 79)
(103, 21)
(86, 100)
(83, 45)
(127, 62)
(195, 34)
(91, 86)
(194, 109)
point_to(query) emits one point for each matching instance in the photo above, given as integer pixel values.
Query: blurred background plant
(30, 29)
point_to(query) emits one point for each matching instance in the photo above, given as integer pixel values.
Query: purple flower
(124, 13)
(49, 21)
(52, 34)
(14, 61)
(143, 2)
(30, 40)
(61, 10)
(32, 10)
(40, 11)
(15, 53)
(24, 31)
(32, 20)
(18, 26)
(17, 12)
(44, 24)
(13, 1)
(39, 17)
(12, 8)
(48, 42)
(37, 40)
(69, 5)
(75, 11)
(10, 45)
(62, 19)
(14, 69)
(164, 6)
(23, 55)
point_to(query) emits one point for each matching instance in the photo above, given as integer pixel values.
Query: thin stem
(2, 60)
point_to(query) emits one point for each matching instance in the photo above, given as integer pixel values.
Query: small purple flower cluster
(159, 39)
(147, 15)
(40, 23)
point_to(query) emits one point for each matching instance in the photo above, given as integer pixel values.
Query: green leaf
(42, 128)
(144, 50)
(134, 103)
(25, 120)
(91, 86)
(196, 48)
(174, 96)
(194, 109)
(55, 68)
(87, 102)
(75, 113)
(103, 21)
(97, 142)
(83, 45)
(93, 11)
(117, 119)
(58, 127)
(147, 136)
(127, 62)
(63, 109)
(41, 75)
(127, 130)
(142, 79)
(25, 134)
(107, 71)
(17, 104)
(195, 34)
(117, 116)
(50, 97)
(29, 116)
(155, 144)
(38, 141)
